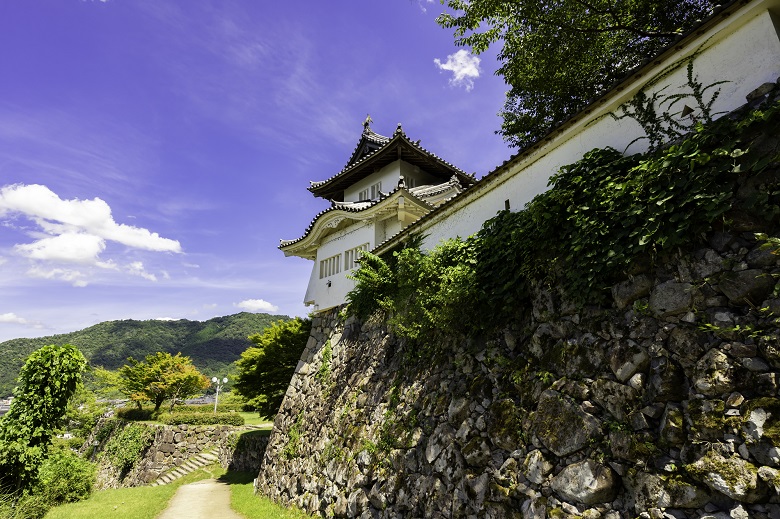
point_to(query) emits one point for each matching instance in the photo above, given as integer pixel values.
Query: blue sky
(153, 153)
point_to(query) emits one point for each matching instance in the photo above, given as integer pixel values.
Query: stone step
(193, 463)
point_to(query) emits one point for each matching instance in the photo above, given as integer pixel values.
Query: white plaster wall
(421, 177)
(387, 228)
(388, 175)
(745, 52)
(318, 290)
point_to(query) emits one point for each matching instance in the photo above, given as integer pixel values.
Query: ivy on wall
(601, 217)
(127, 445)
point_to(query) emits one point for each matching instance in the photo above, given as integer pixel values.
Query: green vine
(125, 447)
(290, 449)
(661, 125)
(602, 217)
(323, 373)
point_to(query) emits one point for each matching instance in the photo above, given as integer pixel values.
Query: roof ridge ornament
(367, 123)
(398, 129)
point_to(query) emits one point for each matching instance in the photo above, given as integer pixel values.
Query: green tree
(556, 56)
(160, 377)
(265, 370)
(48, 379)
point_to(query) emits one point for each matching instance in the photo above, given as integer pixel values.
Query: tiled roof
(350, 207)
(420, 193)
(435, 189)
(368, 136)
(410, 228)
(385, 144)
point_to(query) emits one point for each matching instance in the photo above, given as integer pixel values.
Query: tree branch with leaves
(265, 369)
(160, 377)
(558, 55)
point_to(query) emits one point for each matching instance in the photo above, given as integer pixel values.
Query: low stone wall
(664, 405)
(172, 446)
(243, 450)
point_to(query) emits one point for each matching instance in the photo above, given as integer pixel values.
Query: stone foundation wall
(243, 450)
(664, 404)
(172, 446)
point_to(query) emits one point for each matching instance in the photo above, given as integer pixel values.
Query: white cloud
(57, 216)
(74, 232)
(70, 247)
(422, 3)
(137, 268)
(256, 305)
(464, 68)
(12, 319)
(165, 319)
(75, 277)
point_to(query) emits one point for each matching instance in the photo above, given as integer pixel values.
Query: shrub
(47, 381)
(28, 506)
(134, 414)
(209, 408)
(65, 477)
(202, 419)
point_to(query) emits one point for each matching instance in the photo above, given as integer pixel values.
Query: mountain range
(212, 345)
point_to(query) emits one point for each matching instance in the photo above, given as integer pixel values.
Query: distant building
(387, 184)
(5, 405)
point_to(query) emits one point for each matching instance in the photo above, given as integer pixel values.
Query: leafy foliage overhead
(265, 369)
(212, 345)
(556, 56)
(48, 379)
(160, 377)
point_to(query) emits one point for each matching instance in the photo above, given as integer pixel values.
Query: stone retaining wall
(172, 446)
(243, 450)
(664, 405)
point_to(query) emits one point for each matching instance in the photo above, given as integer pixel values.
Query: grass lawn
(243, 500)
(252, 418)
(149, 502)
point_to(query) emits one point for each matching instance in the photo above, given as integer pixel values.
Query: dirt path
(207, 499)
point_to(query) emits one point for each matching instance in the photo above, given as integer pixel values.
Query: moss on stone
(706, 418)
(733, 476)
(503, 418)
(772, 408)
(558, 513)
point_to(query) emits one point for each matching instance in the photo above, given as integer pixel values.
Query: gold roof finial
(368, 121)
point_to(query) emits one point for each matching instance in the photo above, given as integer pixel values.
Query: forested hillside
(212, 344)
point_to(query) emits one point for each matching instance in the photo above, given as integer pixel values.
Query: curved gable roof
(331, 219)
(375, 151)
